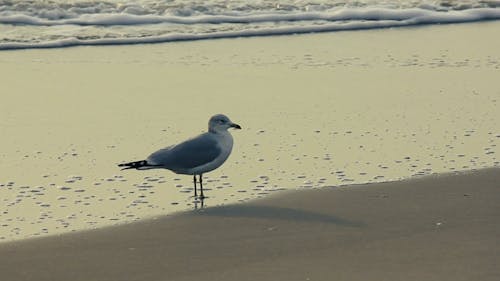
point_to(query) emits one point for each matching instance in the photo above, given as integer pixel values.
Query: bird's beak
(236, 126)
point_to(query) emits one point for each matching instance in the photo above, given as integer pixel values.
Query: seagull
(195, 156)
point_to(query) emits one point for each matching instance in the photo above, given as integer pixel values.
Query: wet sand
(317, 110)
(435, 228)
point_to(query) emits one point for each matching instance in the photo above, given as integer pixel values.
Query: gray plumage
(195, 156)
(188, 155)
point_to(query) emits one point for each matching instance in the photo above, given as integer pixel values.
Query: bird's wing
(189, 154)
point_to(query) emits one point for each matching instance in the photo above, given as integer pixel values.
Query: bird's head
(220, 123)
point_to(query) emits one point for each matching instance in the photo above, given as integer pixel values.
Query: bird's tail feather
(143, 164)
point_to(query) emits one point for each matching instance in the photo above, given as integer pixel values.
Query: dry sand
(435, 228)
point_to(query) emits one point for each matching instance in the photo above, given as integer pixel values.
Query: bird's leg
(194, 181)
(201, 185)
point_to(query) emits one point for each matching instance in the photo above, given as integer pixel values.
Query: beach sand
(317, 110)
(328, 117)
(435, 228)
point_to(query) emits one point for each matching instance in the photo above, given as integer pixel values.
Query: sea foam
(53, 25)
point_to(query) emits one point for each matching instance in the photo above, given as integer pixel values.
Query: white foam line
(457, 17)
(128, 19)
(344, 14)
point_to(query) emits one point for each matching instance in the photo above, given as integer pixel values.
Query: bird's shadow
(280, 213)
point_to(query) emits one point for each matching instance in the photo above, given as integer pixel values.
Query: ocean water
(62, 23)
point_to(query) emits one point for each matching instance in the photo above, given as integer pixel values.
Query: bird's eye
(222, 121)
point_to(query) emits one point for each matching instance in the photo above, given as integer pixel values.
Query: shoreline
(226, 36)
(440, 227)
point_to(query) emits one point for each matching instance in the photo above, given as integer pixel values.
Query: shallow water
(316, 110)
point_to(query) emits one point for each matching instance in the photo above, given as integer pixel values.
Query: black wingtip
(133, 165)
